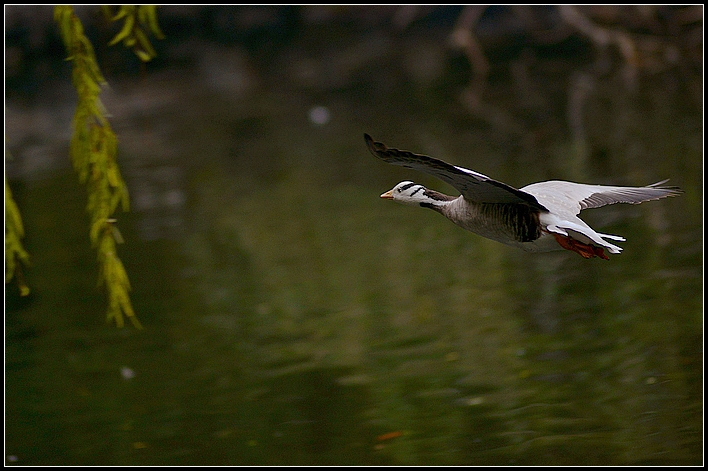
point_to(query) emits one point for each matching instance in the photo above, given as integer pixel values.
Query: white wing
(566, 197)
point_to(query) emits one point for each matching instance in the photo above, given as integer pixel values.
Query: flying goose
(540, 217)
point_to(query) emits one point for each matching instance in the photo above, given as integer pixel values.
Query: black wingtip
(373, 146)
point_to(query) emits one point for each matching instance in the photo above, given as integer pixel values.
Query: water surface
(293, 317)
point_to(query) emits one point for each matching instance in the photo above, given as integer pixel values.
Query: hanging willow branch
(15, 253)
(93, 151)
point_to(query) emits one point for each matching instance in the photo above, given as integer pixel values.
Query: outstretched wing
(568, 197)
(472, 185)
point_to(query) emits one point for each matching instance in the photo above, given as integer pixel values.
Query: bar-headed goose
(540, 217)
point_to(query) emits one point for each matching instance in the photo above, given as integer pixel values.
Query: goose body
(540, 217)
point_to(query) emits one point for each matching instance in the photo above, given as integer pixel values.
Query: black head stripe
(420, 187)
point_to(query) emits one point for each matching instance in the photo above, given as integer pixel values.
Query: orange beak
(388, 195)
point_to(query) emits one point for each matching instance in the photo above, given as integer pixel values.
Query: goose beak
(388, 195)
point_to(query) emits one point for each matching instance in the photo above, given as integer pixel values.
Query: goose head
(416, 195)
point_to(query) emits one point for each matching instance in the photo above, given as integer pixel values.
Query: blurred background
(293, 317)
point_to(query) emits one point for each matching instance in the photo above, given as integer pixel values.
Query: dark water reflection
(292, 317)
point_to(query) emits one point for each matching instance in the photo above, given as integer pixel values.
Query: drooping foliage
(94, 146)
(15, 254)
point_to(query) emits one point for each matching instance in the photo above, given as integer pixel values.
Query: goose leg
(585, 250)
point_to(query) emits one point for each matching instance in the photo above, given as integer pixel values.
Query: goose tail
(580, 238)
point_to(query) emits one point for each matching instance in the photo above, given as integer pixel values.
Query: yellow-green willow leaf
(106, 250)
(61, 12)
(102, 207)
(142, 12)
(107, 275)
(110, 143)
(89, 82)
(128, 309)
(24, 289)
(76, 26)
(143, 56)
(14, 251)
(102, 114)
(126, 30)
(113, 176)
(145, 43)
(116, 198)
(118, 237)
(62, 15)
(12, 213)
(120, 300)
(95, 135)
(91, 63)
(124, 10)
(135, 321)
(121, 277)
(9, 261)
(13, 219)
(130, 41)
(95, 232)
(148, 17)
(106, 10)
(65, 24)
(21, 252)
(114, 313)
(126, 198)
(121, 296)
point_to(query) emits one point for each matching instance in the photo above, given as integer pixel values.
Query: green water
(293, 317)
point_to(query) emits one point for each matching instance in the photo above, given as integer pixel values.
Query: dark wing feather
(472, 185)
